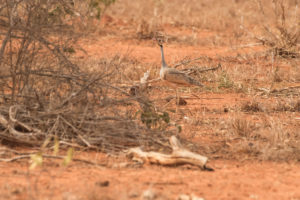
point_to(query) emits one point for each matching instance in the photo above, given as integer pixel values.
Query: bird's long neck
(163, 62)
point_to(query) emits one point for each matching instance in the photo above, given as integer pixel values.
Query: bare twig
(185, 62)
(284, 89)
(76, 131)
(194, 70)
(16, 158)
(4, 42)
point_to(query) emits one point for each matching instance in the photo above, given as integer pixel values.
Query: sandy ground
(230, 180)
(240, 178)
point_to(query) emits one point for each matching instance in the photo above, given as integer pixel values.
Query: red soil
(230, 180)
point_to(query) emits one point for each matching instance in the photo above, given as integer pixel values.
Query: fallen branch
(200, 70)
(284, 89)
(48, 156)
(185, 62)
(179, 156)
(269, 91)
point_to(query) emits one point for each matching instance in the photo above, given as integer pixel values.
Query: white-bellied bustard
(174, 77)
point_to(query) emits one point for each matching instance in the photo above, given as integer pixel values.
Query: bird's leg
(177, 99)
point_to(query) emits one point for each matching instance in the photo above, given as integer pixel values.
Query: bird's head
(160, 42)
(160, 39)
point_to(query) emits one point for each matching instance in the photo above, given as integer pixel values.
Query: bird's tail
(195, 82)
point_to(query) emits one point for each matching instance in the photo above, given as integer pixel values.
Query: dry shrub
(242, 127)
(291, 106)
(251, 106)
(277, 77)
(146, 31)
(280, 27)
(198, 15)
(282, 142)
(45, 95)
(88, 13)
(225, 81)
(127, 70)
(225, 17)
(297, 106)
(267, 139)
(204, 14)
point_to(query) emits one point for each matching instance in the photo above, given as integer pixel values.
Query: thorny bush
(45, 95)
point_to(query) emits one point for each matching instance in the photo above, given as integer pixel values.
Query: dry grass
(252, 106)
(242, 127)
(263, 127)
(264, 139)
(236, 17)
(280, 28)
(44, 95)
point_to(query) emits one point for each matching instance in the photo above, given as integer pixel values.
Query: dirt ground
(230, 180)
(251, 138)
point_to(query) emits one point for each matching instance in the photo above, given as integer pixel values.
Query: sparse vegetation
(252, 106)
(283, 35)
(70, 86)
(243, 127)
(44, 93)
(225, 81)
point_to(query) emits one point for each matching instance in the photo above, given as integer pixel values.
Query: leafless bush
(242, 127)
(292, 106)
(283, 37)
(252, 106)
(282, 141)
(44, 94)
(35, 44)
(266, 139)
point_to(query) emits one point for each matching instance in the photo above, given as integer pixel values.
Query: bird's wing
(175, 76)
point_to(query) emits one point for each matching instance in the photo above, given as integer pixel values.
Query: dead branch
(78, 132)
(284, 89)
(185, 62)
(201, 70)
(269, 91)
(7, 36)
(3, 121)
(14, 121)
(179, 156)
(43, 93)
(51, 157)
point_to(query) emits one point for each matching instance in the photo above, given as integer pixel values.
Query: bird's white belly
(162, 73)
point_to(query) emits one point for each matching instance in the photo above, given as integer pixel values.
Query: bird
(174, 77)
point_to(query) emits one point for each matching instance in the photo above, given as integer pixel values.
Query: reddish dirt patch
(147, 51)
(230, 180)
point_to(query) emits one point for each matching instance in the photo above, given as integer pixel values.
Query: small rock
(194, 197)
(148, 195)
(182, 102)
(120, 165)
(183, 197)
(16, 191)
(133, 194)
(189, 197)
(69, 196)
(102, 183)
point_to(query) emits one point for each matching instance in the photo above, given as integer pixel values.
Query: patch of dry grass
(107, 115)
(269, 138)
(257, 133)
(251, 106)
